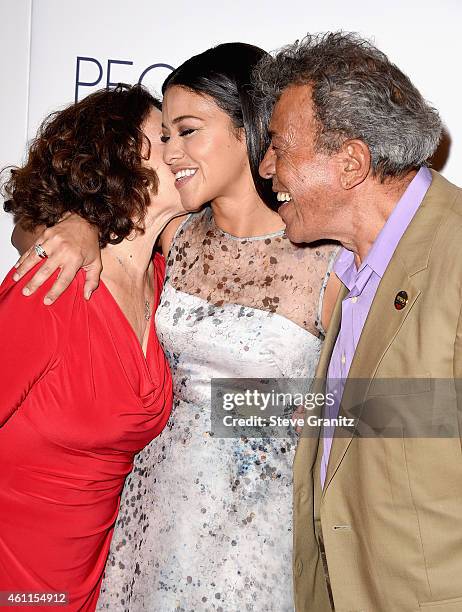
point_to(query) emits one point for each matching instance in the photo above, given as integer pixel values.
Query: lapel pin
(401, 300)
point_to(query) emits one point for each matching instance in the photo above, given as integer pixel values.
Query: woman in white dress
(205, 522)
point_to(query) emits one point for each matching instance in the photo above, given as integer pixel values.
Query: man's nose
(267, 167)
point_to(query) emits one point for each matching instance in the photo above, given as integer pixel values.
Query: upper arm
(23, 239)
(166, 237)
(29, 340)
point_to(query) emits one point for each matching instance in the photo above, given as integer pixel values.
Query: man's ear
(355, 163)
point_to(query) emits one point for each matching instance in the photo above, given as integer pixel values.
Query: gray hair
(357, 93)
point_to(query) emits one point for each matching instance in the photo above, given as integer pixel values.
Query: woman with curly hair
(85, 383)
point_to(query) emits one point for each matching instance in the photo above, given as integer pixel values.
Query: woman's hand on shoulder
(70, 245)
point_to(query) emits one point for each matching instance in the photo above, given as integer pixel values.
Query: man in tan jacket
(378, 505)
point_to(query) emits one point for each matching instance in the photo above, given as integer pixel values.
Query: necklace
(147, 307)
(147, 310)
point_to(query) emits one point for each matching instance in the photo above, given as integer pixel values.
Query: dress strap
(330, 267)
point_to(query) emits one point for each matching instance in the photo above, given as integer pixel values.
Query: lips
(183, 176)
(282, 206)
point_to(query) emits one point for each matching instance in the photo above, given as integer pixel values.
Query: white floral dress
(205, 523)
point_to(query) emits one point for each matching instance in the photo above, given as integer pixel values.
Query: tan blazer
(390, 513)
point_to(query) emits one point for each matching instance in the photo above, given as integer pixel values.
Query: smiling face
(207, 155)
(307, 181)
(167, 200)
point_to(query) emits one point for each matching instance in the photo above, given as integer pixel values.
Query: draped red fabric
(78, 399)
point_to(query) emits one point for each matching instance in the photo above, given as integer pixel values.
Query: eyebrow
(181, 118)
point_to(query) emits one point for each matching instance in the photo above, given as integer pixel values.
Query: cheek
(283, 174)
(200, 149)
(166, 186)
(165, 176)
(294, 179)
(226, 154)
(312, 181)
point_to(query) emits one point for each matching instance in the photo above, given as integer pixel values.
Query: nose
(267, 167)
(172, 152)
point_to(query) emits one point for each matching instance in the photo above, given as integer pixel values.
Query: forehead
(294, 109)
(180, 101)
(153, 122)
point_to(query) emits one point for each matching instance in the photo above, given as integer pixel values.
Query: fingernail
(47, 301)
(26, 291)
(16, 277)
(16, 265)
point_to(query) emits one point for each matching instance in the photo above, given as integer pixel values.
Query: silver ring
(40, 251)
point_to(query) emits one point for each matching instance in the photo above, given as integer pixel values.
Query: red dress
(77, 400)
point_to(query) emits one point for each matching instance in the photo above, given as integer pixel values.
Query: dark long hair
(225, 74)
(88, 159)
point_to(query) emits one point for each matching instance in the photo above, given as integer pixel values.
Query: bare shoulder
(166, 237)
(321, 284)
(319, 256)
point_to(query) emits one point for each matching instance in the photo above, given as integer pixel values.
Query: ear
(355, 161)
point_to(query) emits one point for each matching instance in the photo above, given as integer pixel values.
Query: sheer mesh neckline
(267, 273)
(209, 215)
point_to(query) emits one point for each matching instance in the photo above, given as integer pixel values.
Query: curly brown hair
(88, 159)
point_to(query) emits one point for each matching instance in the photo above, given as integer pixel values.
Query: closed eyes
(186, 132)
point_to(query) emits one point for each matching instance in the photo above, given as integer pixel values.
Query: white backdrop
(421, 37)
(15, 21)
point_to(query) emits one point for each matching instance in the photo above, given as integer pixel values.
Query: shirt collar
(386, 242)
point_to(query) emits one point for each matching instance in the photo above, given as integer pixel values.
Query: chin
(191, 205)
(296, 234)
(292, 227)
(293, 235)
(296, 231)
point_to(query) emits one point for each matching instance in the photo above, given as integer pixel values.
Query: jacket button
(298, 567)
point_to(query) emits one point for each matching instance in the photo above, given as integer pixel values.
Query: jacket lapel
(384, 320)
(380, 329)
(331, 336)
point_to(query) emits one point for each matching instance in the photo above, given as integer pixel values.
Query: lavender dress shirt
(362, 284)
